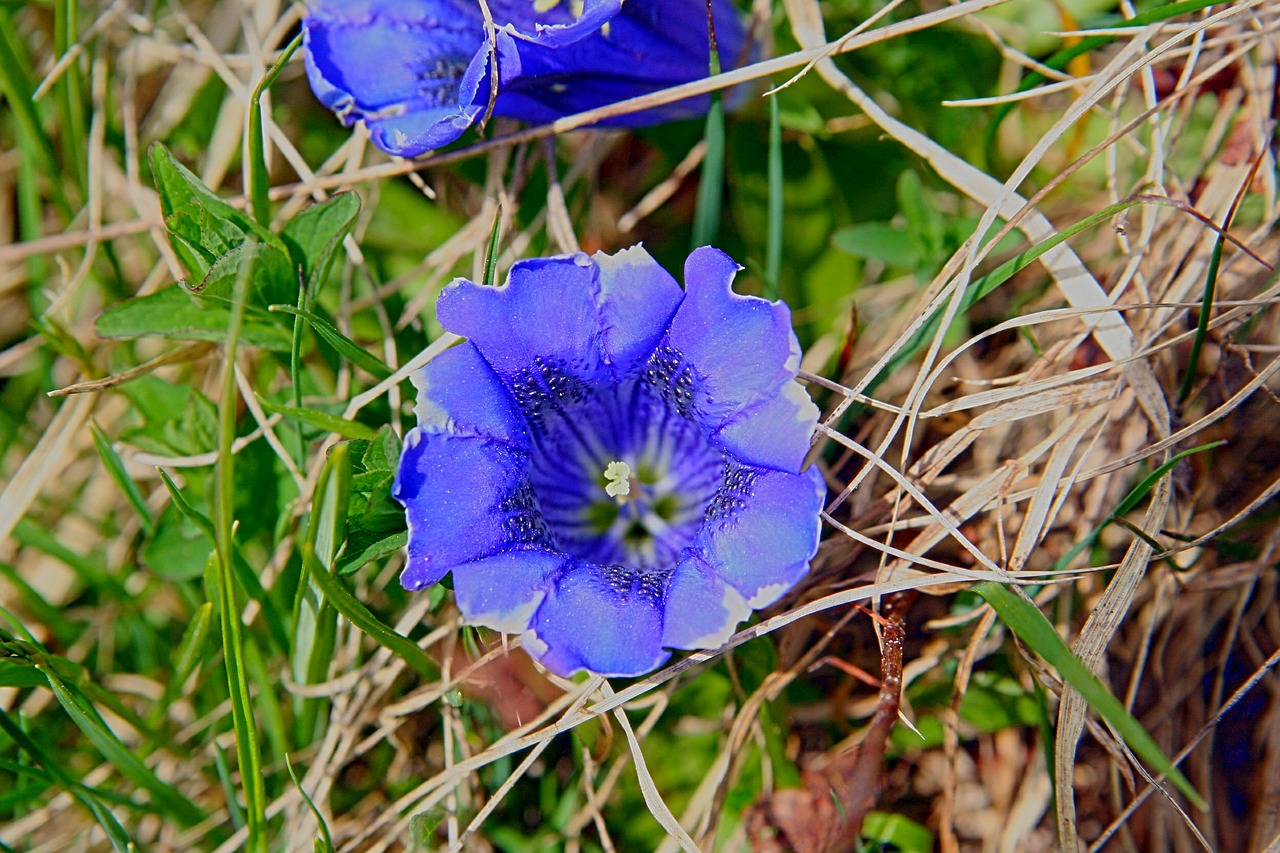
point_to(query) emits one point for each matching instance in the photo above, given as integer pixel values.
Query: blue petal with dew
(762, 529)
(606, 619)
(744, 356)
(457, 493)
(459, 393)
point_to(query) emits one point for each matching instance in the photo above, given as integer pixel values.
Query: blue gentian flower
(418, 71)
(609, 464)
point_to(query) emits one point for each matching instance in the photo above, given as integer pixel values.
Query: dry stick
(862, 781)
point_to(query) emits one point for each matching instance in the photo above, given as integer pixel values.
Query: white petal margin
(702, 611)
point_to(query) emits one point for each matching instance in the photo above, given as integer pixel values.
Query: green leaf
(115, 468)
(126, 760)
(1030, 625)
(322, 421)
(903, 833)
(174, 314)
(706, 214)
(314, 620)
(357, 614)
(364, 549)
(924, 222)
(178, 549)
(271, 274)
(257, 178)
(323, 844)
(1136, 494)
(181, 191)
(85, 796)
(19, 672)
(879, 241)
(346, 347)
(315, 234)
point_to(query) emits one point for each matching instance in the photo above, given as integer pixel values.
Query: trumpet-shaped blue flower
(419, 72)
(611, 465)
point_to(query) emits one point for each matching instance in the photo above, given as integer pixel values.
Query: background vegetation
(1048, 381)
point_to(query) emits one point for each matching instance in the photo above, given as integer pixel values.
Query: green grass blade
(1026, 621)
(314, 619)
(70, 90)
(106, 819)
(1210, 289)
(248, 752)
(115, 468)
(1202, 322)
(86, 718)
(346, 347)
(1135, 495)
(706, 215)
(185, 659)
(252, 585)
(259, 180)
(357, 614)
(773, 234)
(491, 256)
(322, 420)
(324, 844)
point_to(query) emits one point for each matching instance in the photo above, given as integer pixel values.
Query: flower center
(622, 476)
(618, 481)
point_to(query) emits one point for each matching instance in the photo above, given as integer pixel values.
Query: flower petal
(501, 592)
(546, 310)
(596, 318)
(762, 529)
(465, 498)
(744, 357)
(606, 619)
(397, 65)
(649, 45)
(774, 432)
(702, 610)
(555, 25)
(459, 393)
(637, 300)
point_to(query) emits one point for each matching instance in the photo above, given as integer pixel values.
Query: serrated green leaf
(174, 314)
(271, 276)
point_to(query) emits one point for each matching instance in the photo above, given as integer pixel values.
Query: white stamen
(619, 476)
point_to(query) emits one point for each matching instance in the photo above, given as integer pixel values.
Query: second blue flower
(418, 72)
